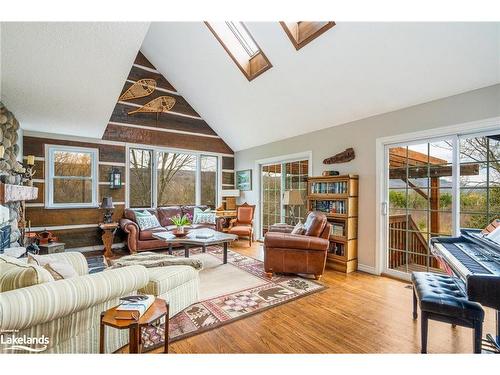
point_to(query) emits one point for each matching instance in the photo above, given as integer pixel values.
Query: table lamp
(107, 206)
(292, 198)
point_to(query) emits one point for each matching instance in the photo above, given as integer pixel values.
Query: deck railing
(404, 231)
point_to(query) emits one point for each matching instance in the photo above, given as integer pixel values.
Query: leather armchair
(298, 253)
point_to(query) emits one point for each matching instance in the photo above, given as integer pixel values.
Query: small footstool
(441, 298)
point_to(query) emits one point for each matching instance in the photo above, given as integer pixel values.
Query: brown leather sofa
(143, 240)
(298, 253)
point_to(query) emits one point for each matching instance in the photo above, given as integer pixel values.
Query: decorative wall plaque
(341, 157)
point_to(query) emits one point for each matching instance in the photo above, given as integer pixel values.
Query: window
(303, 32)
(140, 177)
(435, 188)
(161, 177)
(208, 167)
(241, 47)
(72, 177)
(479, 181)
(176, 179)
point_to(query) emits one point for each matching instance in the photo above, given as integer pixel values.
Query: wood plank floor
(358, 313)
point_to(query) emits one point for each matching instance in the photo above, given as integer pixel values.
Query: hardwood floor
(358, 313)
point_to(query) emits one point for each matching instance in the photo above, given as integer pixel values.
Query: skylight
(241, 47)
(304, 32)
(243, 37)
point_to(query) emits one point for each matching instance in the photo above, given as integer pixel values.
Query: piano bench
(442, 298)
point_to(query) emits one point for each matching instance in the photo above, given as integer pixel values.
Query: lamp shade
(107, 203)
(292, 198)
(231, 193)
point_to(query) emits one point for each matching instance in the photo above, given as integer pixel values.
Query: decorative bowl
(180, 234)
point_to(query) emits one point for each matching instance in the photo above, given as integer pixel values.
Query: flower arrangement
(181, 221)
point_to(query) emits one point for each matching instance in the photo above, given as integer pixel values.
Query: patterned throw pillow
(299, 229)
(146, 221)
(204, 217)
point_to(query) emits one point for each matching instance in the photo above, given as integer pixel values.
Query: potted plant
(181, 221)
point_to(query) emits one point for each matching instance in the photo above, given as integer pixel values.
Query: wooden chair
(242, 225)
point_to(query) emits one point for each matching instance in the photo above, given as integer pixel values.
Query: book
(134, 310)
(205, 234)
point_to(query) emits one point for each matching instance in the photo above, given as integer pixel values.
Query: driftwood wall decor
(139, 89)
(158, 105)
(341, 157)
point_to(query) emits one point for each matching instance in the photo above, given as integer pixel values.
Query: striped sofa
(67, 311)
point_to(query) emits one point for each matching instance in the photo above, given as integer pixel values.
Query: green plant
(181, 221)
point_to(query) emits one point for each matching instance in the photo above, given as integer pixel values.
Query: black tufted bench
(441, 298)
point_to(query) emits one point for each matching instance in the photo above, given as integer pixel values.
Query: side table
(108, 233)
(157, 310)
(52, 248)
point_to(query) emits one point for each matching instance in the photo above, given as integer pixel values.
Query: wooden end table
(158, 310)
(108, 233)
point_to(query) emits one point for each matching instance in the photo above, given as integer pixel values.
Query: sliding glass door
(276, 179)
(434, 188)
(420, 202)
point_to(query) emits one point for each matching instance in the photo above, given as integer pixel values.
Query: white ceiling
(66, 77)
(353, 71)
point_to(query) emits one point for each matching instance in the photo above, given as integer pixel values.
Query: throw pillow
(298, 229)
(15, 274)
(147, 221)
(204, 217)
(57, 267)
(60, 270)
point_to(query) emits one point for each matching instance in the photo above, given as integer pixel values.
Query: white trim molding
(368, 269)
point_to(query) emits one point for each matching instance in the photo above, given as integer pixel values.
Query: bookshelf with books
(337, 197)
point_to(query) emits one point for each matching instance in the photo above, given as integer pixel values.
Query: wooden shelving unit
(337, 197)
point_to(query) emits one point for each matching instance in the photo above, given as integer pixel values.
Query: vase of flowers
(181, 222)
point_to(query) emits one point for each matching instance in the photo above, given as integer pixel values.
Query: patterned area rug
(227, 308)
(96, 263)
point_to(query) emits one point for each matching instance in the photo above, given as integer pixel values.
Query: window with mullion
(72, 177)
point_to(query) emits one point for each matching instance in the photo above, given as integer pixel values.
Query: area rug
(228, 293)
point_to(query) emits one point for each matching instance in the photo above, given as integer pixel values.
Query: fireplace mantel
(17, 193)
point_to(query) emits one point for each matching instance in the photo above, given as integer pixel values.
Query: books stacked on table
(133, 307)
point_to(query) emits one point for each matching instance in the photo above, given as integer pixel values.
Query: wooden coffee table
(156, 311)
(191, 241)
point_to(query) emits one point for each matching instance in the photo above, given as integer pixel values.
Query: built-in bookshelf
(337, 197)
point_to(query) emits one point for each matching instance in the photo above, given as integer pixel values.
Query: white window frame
(457, 131)
(49, 176)
(155, 151)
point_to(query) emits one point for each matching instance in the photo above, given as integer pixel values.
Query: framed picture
(244, 180)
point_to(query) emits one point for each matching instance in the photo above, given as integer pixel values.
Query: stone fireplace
(9, 138)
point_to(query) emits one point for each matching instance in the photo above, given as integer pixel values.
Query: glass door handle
(384, 208)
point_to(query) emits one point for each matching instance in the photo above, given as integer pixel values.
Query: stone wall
(9, 137)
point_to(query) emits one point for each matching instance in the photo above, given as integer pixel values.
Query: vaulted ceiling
(66, 77)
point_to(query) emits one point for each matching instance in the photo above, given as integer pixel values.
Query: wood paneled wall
(181, 128)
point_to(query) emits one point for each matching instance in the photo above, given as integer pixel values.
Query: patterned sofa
(67, 311)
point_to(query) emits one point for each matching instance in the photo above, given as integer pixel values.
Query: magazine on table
(133, 307)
